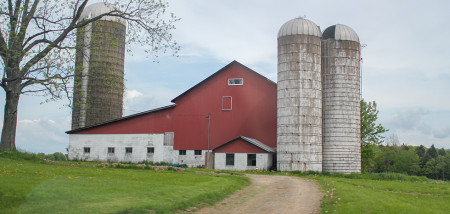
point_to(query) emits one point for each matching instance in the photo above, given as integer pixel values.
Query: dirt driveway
(271, 194)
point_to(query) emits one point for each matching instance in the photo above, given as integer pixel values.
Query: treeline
(412, 160)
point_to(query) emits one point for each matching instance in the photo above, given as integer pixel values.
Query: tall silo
(299, 97)
(341, 100)
(99, 68)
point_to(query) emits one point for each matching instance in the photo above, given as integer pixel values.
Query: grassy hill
(39, 187)
(31, 185)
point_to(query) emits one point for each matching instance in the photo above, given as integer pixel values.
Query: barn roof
(253, 141)
(234, 62)
(121, 118)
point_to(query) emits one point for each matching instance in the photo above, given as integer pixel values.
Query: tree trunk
(8, 141)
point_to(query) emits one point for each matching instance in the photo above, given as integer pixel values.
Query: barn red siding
(253, 113)
(239, 146)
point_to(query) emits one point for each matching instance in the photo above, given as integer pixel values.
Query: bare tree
(37, 45)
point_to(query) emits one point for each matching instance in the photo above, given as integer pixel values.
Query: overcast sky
(406, 63)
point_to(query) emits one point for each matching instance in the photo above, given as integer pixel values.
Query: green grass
(31, 186)
(356, 195)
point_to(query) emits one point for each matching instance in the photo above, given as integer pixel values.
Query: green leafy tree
(37, 45)
(430, 169)
(441, 166)
(371, 134)
(407, 161)
(385, 160)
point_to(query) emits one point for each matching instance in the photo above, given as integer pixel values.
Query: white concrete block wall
(263, 161)
(190, 158)
(99, 143)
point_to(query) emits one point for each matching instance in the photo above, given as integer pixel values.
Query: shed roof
(253, 141)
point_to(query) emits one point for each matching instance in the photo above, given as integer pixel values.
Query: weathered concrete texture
(299, 104)
(99, 73)
(341, 106)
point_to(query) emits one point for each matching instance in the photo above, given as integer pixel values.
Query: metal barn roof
(299, 26)
(340, 32)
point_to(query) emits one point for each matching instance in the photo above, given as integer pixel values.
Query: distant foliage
(18, 155)
(412, 160)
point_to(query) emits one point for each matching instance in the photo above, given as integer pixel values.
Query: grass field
(357, 195)
(33, 187)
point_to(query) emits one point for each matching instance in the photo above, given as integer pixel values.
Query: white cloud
(43, 135)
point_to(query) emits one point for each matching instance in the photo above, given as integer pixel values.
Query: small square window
(111, 150)
(251, 159)
(227, 103)
(87, 150)
(229, 159)
(182, 152)
(128, 150)
(198, 152)
(150, 150)
(236, 81)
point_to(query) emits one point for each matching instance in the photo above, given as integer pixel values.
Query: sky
(405, 69)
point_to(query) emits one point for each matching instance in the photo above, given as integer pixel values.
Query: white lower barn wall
(263, 161)
(99, 144)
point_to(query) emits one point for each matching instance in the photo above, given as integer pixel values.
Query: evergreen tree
(421, 151)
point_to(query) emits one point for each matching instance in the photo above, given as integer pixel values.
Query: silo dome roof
(299, 26)
(96, 9)
(340, 32)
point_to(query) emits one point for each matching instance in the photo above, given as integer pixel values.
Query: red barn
(232, 113)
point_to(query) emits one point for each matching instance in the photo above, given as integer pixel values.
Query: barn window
(227, 103)
(198, 152)
(182, 152)
(87, 150)
(251, 159)
(128, 150)
(229, 160)
(150, 150)
(111, 150)
(236, 81)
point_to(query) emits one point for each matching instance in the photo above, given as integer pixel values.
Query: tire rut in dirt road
(271, 194)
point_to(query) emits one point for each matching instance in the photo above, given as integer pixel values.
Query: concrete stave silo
(341, 100)
(299, 97)
(99, 68)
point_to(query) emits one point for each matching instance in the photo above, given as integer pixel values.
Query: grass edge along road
(36, 187)
(380, 193)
